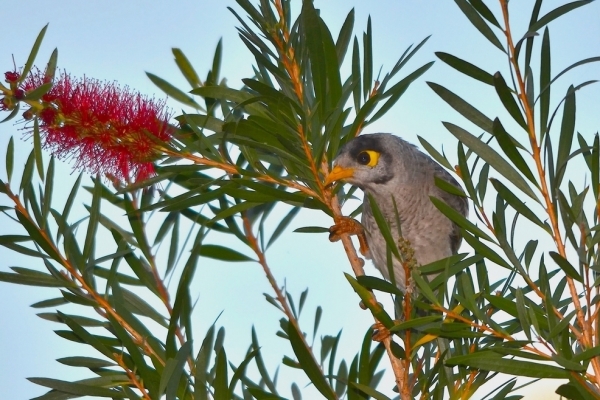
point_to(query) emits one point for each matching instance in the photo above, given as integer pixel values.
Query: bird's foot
(380, 332)
(349, 226)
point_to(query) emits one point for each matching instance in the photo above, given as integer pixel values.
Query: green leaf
(383, 226)
(240, 371)
(437, 156)
(50, 303)
(396, 91)
(367, 60)
(43, 241)
(356, 76)
(522, 313)
(485, 12)
(545, 76)
(507, 366)
(37, 149)
(260, 364)
(137, 223)
(415, 323)
(48, 190)
(308, 364)
(12, 114)
(137, 305)
(42, 280)
(508, 100)
(27, 175)
(186, 68)
(369, 391)
(90, 238)
(466, 68)
(283, 224)
(464, 108)
(233, 95)
(374, 283)
(220, 382)
(38, 92)
(367, 298)
(570, 67)
(69, 205)
(344, 37)
(576, 391)
(146, 373)
(424, 288)
(228, 212)
(10, 156)
(587, 354)
(459, 219)
(222, 253)
(448, 187)
(51, 66)
(566, 266)
(518, 205)
(312, 229)
(33, 54)
(79, 388)
(479, 23)
(202, 365)
(173, 92)
(22, 249)
(87, 362)
(260, 394)
(567, 130)
(484, 250)
(557, 12)
(323, 59)
(492, 157)
(201, 121)
(509, 146)
(174, 369)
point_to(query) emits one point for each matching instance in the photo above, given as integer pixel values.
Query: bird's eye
(368, 158)
(363, 158)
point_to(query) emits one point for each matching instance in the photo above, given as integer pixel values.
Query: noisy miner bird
(392, 170)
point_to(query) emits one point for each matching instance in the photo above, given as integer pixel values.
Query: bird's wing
(459, 203)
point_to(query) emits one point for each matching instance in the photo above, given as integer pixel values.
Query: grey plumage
(405, 174)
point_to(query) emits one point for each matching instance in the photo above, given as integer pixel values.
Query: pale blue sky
(115, 40)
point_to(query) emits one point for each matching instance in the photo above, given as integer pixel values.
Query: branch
(585, 337)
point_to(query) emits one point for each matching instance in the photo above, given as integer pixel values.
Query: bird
(398, 176)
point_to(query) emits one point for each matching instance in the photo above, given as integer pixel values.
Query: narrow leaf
(307, 361)
(222, 253)
(492, 157)
(566, 266)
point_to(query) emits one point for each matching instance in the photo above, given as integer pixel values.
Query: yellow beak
(338, 173)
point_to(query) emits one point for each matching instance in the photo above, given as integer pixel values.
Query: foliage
(241, 152)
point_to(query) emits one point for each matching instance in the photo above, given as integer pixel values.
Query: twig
(253, 243)
(163, 292)
(357, 264)
(133, 378)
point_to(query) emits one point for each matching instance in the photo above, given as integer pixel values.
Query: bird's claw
(380, 332)
(349, 226)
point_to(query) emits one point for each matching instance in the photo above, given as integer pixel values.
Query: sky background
(114, 40)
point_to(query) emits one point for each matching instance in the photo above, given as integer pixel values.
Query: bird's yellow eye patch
(370, 158)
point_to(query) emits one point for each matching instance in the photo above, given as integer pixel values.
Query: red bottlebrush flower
(11, 76)
(106, 128)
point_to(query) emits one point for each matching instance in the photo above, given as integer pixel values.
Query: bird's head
(367, 161)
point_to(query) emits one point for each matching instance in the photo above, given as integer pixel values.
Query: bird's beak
(338, 173)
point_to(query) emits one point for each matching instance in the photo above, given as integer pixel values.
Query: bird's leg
(350, 226)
